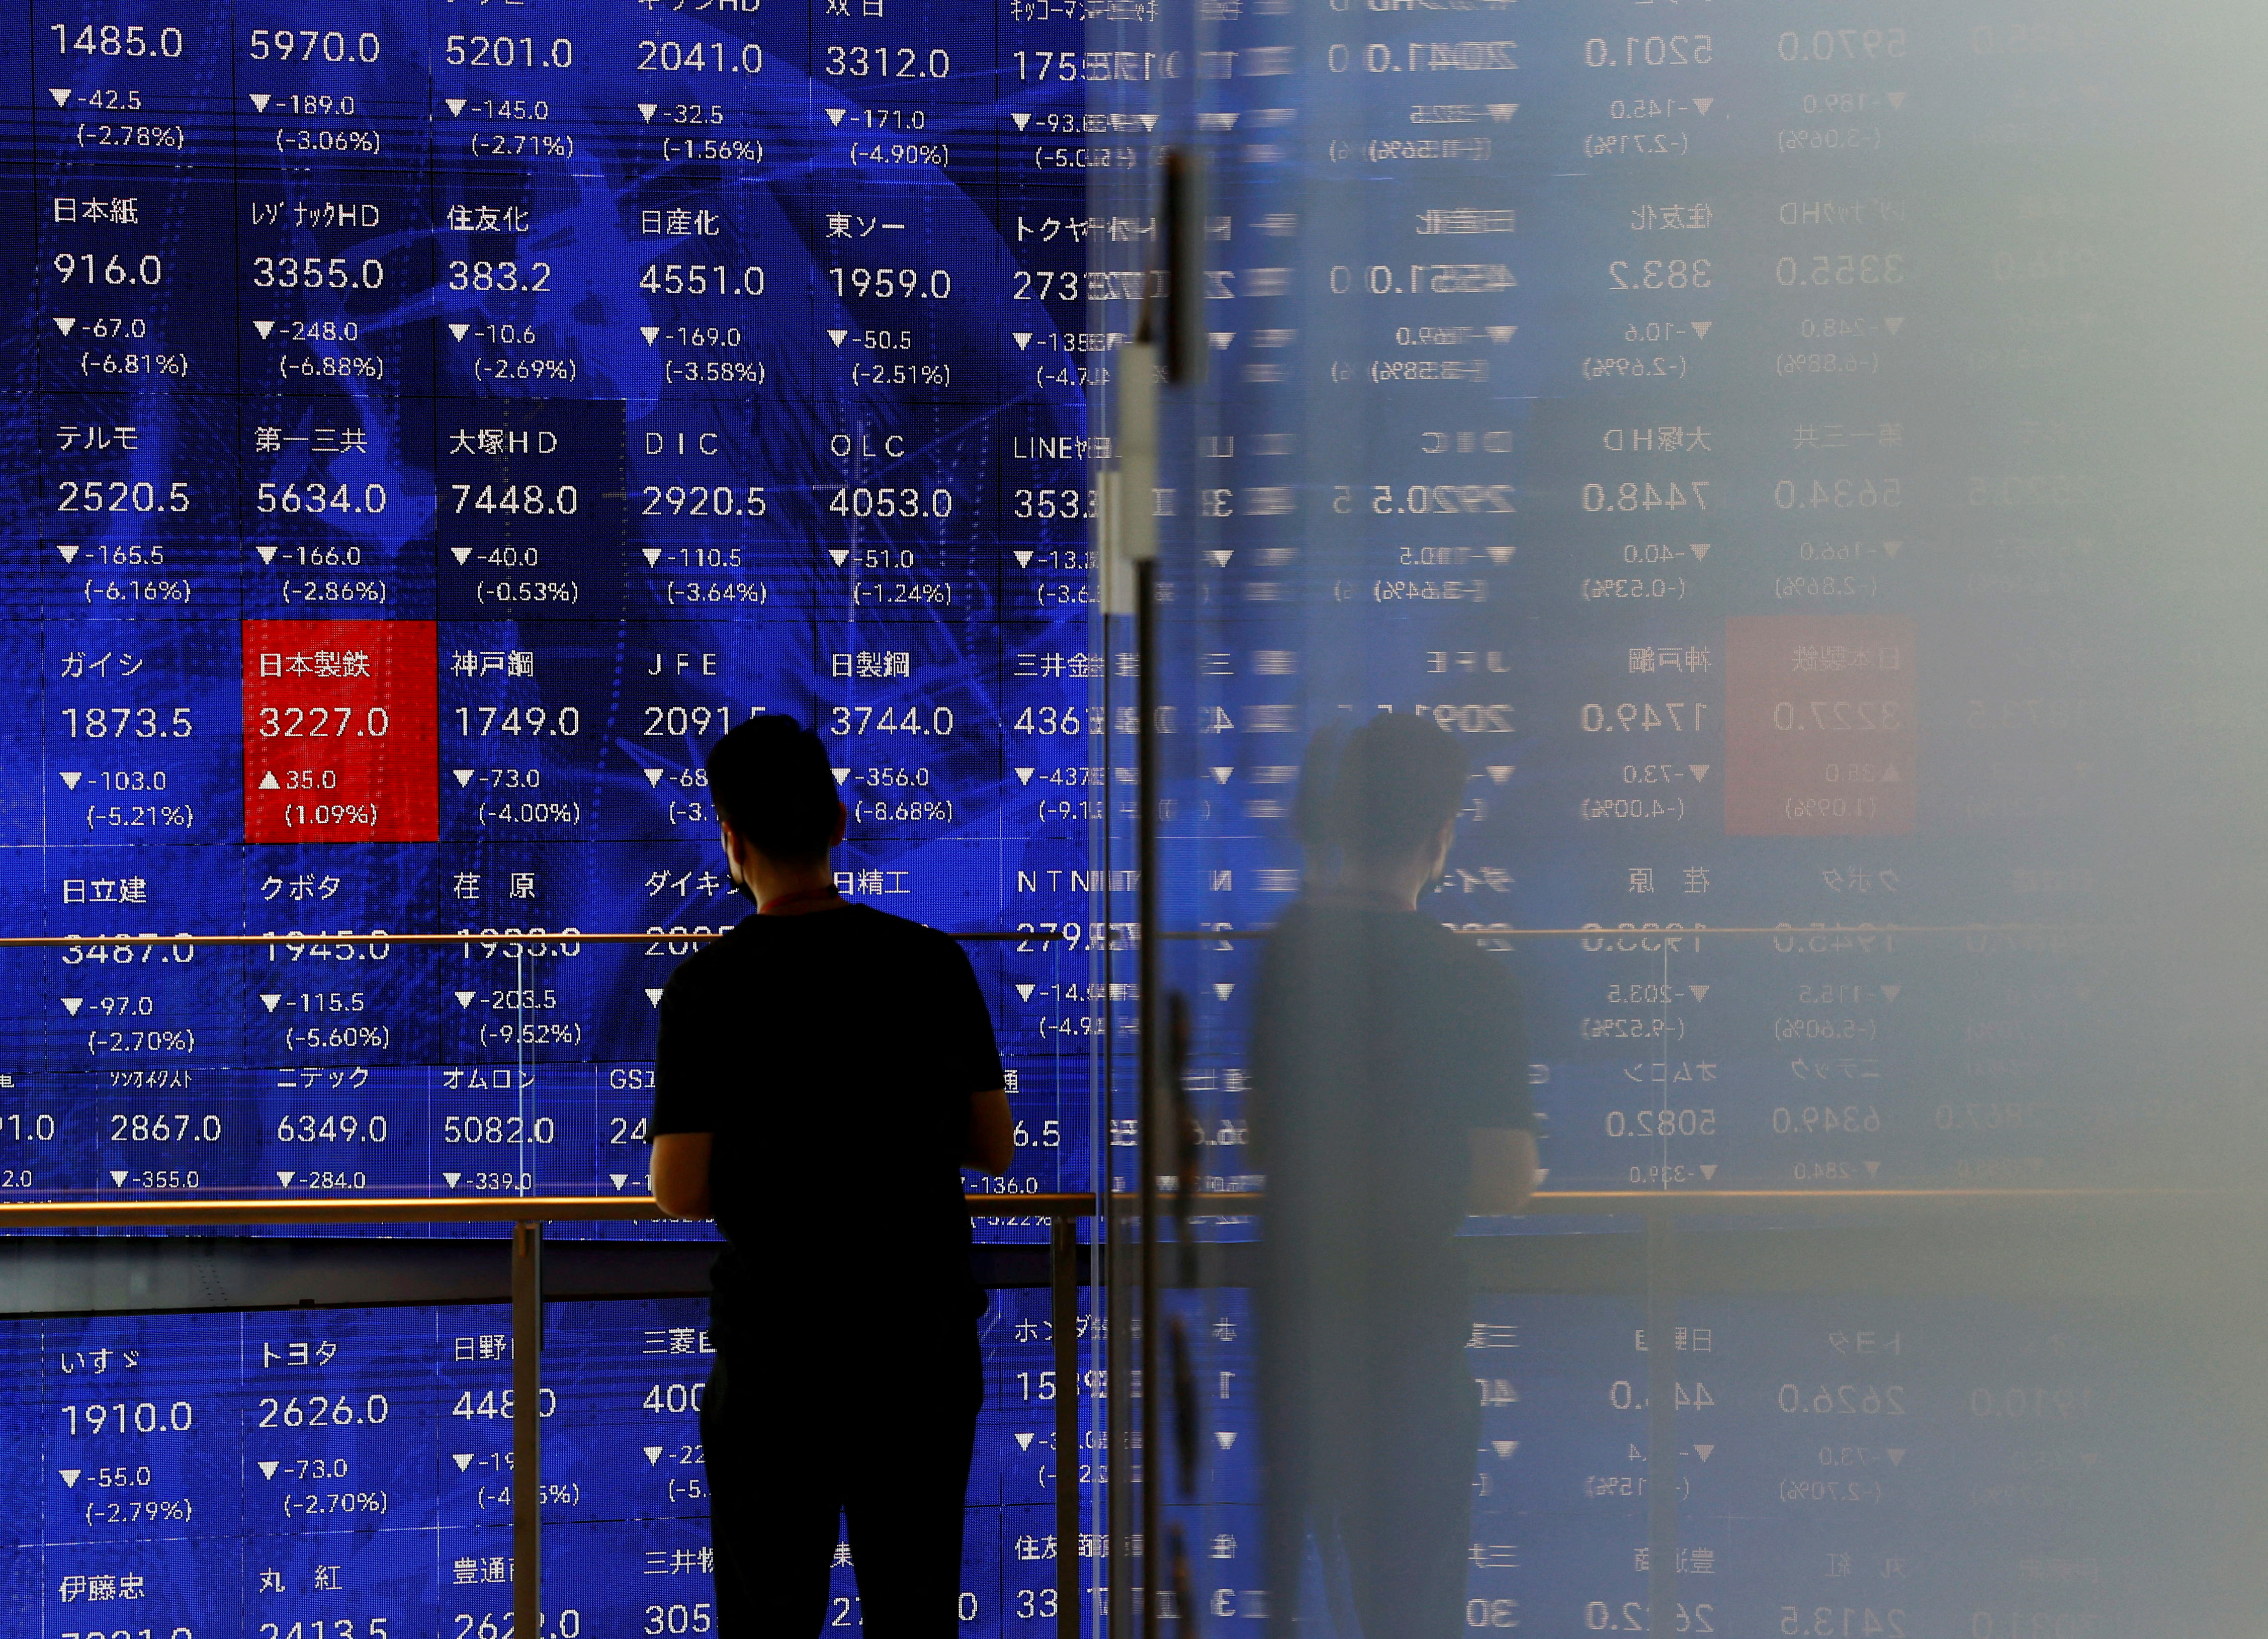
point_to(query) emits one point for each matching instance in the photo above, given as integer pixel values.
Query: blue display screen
(427, 433)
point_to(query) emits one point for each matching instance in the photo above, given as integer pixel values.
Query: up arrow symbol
(268, 999)
(652, 1455)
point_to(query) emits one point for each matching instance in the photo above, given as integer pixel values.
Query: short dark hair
(1385, 789)
(771, 780)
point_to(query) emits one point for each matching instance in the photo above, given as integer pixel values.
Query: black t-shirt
(1381, 1040)
(833, 1055)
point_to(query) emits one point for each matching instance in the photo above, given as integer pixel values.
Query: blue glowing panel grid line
(429, 428)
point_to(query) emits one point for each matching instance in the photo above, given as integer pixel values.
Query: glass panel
(1784, 469)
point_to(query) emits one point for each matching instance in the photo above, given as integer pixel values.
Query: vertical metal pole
(1063, 1327)
(527, 1428)
(1130, 546)
(1118, 1419)
(1147, 1426)
(1660, 1425)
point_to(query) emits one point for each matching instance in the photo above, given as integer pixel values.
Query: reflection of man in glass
(1390, 1098)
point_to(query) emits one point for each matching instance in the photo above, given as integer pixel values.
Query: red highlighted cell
(1821, 728)
(342, 731)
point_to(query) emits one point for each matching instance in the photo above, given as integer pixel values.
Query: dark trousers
(1374, 1460)
(798, 1443)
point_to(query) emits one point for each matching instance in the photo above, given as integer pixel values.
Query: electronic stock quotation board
(1634, 387)
(427, 429)
(428, 432)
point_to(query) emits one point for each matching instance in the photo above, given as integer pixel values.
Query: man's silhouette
(824, 1072)
(1390, 1098)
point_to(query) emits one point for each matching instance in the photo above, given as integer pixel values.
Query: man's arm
(1504, 1170)
(991, 1131)
(680, 1173)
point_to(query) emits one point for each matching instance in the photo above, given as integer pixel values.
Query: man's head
(775, 792)
(1384, 795)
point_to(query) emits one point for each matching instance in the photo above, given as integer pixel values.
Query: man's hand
(680, 1173)
(991, 1133)
(1504, 1170)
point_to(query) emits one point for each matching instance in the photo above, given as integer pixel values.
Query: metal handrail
(1668, 930)
(483, 936)
(563, 1209)
(1039, 936)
